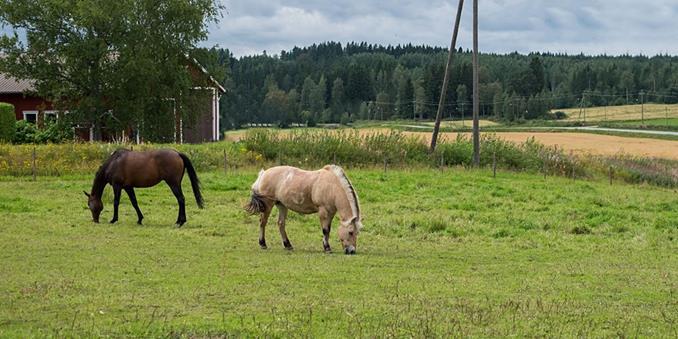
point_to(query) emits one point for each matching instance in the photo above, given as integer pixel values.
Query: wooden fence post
(494, 164)
(609, 173)
(33, 165)
(384, 164)
(225, 163)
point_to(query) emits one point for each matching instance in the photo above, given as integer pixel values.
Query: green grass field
(670, 124)
(452, 253)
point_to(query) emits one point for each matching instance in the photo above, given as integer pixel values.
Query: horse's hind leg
(133, 200)
(263, 219)
(282, 215)
(176, 189)
(116, 202)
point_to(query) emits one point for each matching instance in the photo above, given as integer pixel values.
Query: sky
(566, 26)
(591, 27)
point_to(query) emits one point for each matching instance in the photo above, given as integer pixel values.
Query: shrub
(7, 120)
(560, 115)
(308, 118)
(25, 132)
(55, 132)
(345, 120)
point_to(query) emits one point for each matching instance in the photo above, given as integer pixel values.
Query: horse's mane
(100, 176)
(348, 188)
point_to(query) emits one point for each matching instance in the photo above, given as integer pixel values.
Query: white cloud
(592, 27)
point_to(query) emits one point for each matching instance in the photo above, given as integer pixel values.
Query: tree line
(333, 83)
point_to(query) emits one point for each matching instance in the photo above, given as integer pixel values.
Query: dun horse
(326, 192)
(125, 170)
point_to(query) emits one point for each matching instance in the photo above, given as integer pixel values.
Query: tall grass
(398, 149)
(313, 149)
(70, 158)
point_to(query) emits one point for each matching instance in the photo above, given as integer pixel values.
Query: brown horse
(326, 192)
(126, 169)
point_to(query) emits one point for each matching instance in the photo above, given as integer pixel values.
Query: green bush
(55, 132)
(344, 120)
(25, 132)
(7, 120)
(560, 115)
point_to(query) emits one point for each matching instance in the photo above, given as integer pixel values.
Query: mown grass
(670, 124)
(443, 253)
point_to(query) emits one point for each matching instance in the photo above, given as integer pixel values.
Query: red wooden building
(28, 106)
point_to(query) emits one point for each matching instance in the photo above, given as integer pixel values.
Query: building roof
(211, 78)
(12, 85)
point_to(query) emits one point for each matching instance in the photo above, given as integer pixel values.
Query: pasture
(443, 253)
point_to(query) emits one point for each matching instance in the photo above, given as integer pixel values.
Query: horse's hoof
(262, 244)
(288, 245)
(113, 221)
(139, 223)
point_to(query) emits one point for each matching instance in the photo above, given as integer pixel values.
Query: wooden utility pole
(446, 79)
(642, 107)
(476, 96)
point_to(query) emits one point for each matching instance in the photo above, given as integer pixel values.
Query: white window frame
(27, 113)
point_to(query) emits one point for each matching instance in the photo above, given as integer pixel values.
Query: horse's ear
(87, 194)
(357, 223)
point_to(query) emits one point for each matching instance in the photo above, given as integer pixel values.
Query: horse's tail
(195, 182)
(256, 204)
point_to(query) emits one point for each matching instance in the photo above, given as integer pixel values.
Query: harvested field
(624, 112)
(596, 143)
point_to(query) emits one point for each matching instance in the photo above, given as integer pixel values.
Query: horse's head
(95, 206)
(348, 234)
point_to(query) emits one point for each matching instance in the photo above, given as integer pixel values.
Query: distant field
(625, 112)
(451, 253)
(461, 124)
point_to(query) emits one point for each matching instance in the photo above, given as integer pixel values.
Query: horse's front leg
(133, 200)
(326, 224)
(282, 215)
(117, 189)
